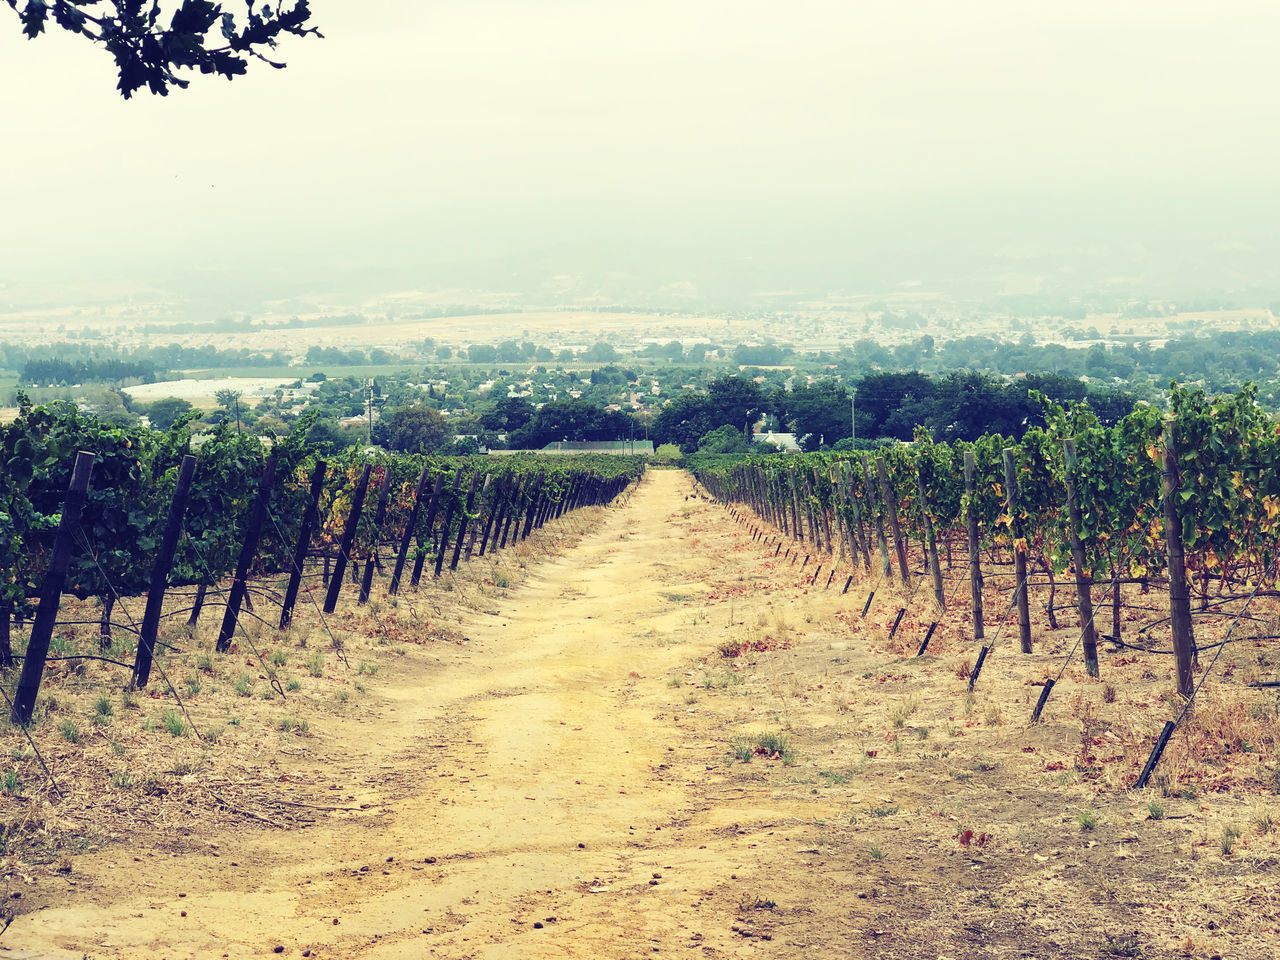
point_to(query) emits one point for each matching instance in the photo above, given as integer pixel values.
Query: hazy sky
(822, 139)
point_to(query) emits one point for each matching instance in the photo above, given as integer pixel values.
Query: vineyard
(84, 511)
(897, 705)
(1184, 504)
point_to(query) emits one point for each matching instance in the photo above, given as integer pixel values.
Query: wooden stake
(160, 574)
(55, 578)
(304, 543)
(891, 504)
(410, 528)
(462, 521)
(379, 515)
(931, 544)
(1084, 584)
(975, 562)
(1179, 601)
(869, 488)
(1019, 553)
(348, 538)
(253, 529)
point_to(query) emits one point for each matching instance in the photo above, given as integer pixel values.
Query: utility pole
(853, 419)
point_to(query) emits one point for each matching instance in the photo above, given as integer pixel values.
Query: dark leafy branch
(198, 36)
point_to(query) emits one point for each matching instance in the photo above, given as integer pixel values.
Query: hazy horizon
(700, 151)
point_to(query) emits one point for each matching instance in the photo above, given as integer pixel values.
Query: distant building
(783, 441)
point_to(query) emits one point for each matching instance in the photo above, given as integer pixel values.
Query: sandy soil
(580, 775)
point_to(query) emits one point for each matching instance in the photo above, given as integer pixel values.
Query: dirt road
(586, 777)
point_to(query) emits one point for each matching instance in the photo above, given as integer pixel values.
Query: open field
(643, 734)
(200, 393)
(554, 326)
(808, 326)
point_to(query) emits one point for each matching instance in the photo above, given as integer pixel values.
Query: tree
(881, 394)
(600, 352)
(737, 401)
(762, 355)
(684, 421)
(164, 413)
(508, 414)
(229, 401)
(199, 35)
(509, 351)
(817, 414)
(571, 420)
(724, 440)
(414, 429)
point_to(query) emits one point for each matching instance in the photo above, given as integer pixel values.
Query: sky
(727, 147)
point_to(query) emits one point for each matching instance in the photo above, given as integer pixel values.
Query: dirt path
(531, 783)
(563, 785)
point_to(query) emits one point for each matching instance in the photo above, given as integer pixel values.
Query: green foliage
(724, 440)
(165, 413)
(136, 469)
(572, 419)
(418, 428)
(173, 723)
(1228, 487)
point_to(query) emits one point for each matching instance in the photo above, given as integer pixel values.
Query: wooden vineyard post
(544, 511)
(1019, 550)
(793, 495)
(815, 525)
(931, 544)
(975, 561)
(535, 501)
(462, 521)
(495, 508)
(780, 506)
(824, 517)
(526, 493)
(6, 651)
(847, 483)
(406, 538)
(1179, 601)
(253, 529)
(1084, 601)
(304, 542)
(475, 527)
(891, 504)
(843, 537)
(160, 574)
(201, 590)
(429, 524)
(509, 508)
(55, 578)
(455, 491)
(869, 487)
(348, 537)
(379, 516)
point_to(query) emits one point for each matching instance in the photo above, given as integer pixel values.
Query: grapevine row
(232, 506)
(1222, 490)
